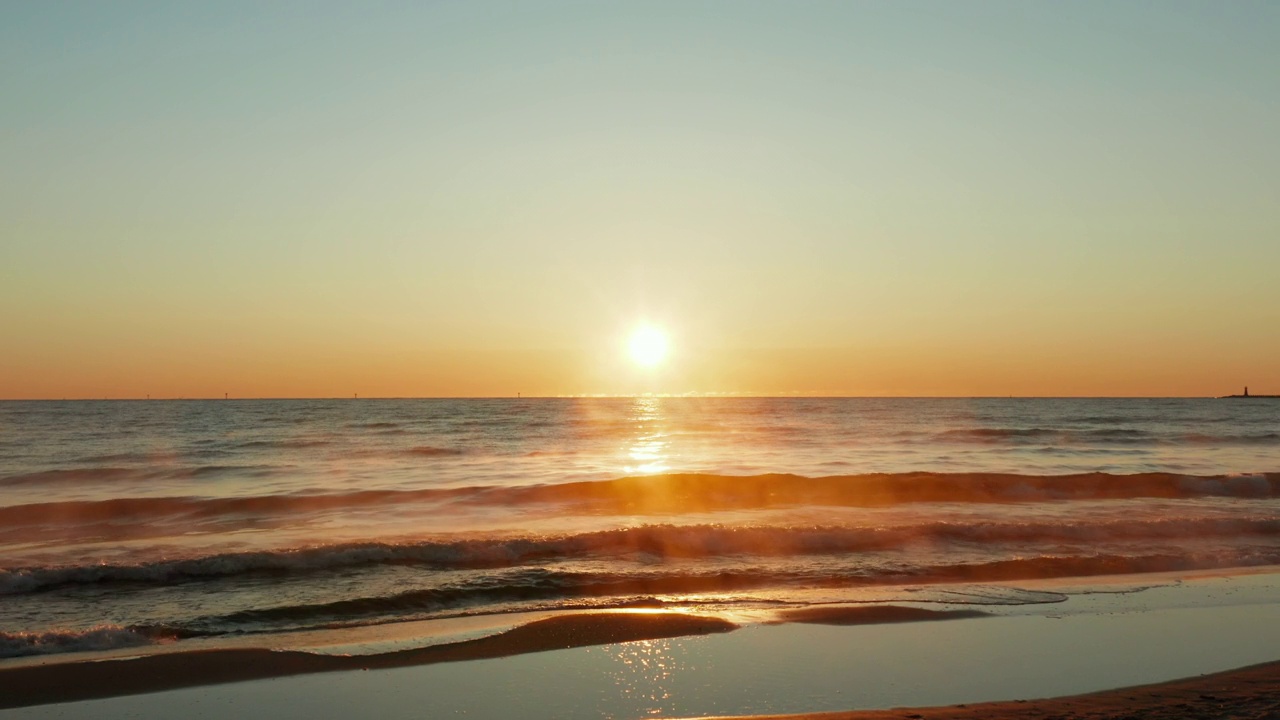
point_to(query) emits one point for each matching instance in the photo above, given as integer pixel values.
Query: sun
(647, 346)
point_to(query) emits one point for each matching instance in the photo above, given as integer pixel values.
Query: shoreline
(1252, 691)
(856, 654)
(41, 683)
(99, 679)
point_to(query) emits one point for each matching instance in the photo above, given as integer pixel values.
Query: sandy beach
(1252, 692)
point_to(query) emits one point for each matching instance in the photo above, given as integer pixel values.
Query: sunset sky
(298, 199)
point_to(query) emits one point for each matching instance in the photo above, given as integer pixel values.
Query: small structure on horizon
(1247, 395)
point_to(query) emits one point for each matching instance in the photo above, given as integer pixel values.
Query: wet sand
(87, 680)
(1251, 692)
(1248, 693)
(35, 684)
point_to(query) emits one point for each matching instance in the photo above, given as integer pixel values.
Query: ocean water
(128, 523)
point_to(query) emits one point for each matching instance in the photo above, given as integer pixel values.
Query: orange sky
(336, 371)
(464, 200)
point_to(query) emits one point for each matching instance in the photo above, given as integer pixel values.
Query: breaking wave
(646, 543)
(671, 494)
(105, 637)
(562, 589)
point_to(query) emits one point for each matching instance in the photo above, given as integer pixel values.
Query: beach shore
(1176, 643)
(1251, 692)
(86, 680)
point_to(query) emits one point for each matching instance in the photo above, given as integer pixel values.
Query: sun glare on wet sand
(647, 346)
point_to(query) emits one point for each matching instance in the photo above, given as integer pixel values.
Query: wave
(645, 543)
(427, 451)
(996, 433)
(89, 475)
(126, 457)
(182, 509)
(539, 588)
(294, 444)
(673, 494)
(1099, 419)
(1108, 436)
(560, 589)
(681, 493)
(104, 637)
(1091, 437)
(1254, 439)
(74, 475)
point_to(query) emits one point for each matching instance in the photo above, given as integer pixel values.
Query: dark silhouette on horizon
(1246, 395)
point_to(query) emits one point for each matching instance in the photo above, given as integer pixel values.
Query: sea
(135, 523)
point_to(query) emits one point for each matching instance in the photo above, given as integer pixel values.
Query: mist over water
(128, 522)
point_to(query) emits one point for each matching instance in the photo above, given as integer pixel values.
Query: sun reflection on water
(643, 672)
(649, 452)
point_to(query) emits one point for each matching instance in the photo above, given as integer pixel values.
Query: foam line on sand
(87, 680)
(871, 614)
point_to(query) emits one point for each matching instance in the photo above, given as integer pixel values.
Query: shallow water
(127, 523)
(1120, 640)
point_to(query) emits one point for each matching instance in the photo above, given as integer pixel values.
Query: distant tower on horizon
(1246, 391)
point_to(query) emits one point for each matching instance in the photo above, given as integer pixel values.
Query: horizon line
(603, 396)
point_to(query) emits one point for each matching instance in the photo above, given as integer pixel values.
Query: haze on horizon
(468, 199)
